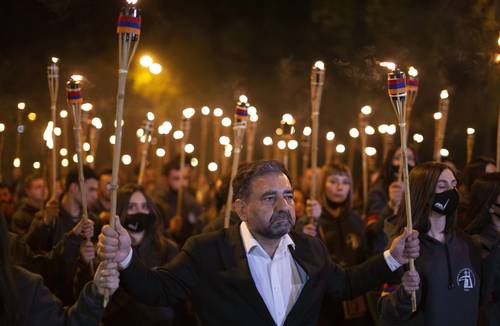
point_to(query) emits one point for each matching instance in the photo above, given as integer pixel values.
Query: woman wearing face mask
(341, 229)
(449, 267)
(138, 215)
(484, 211)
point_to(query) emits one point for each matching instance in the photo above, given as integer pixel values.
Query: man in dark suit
(258, 272)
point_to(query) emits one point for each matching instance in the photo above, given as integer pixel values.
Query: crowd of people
(286, 259)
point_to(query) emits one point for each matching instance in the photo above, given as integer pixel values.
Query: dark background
(212, 51)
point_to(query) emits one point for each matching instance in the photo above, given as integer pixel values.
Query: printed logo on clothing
(466, 279)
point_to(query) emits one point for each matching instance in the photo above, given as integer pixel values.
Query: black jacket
(21, 220)
(449, 294)
(212, 269)
(39, 307)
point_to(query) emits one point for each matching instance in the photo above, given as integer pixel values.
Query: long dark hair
(386, 176)
(475, 169)
(9, 309)
(155, 230)
(336, 169)
(423, 180)
(483, 193)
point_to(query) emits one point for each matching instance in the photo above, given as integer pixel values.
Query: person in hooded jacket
(448, 272)
(484, 211)
(342, 231)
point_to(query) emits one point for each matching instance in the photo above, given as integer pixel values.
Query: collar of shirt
(251, 244)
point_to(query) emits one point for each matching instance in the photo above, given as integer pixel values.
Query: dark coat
(39, 307)
(212, 269)
(22, 218)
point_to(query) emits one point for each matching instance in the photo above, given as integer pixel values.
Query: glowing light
(267, 141)
(17, 162)
(165, 128)
(142, 139)
(330, 136)
(307, 131)
(282, 144)
(370, 151)
(212, 167)
(369, 130)
(150, 116)
(366, 110)
(86, 146)
(155, 68)
(391, 129)
(228, 149)
(146, 61)
(112, 139)
(437, 115)
(279, 131)
(293, 144)
(54, 60)
(189, 148)
(97, 123)
(63, 114)
(77, 77)
(188, 113)
(57, 131)
(64, 162)
(340, 148)
(444, 152)
(224, 140)
(139, 132)
(418, 138)
(444, 94)
(254, 118)
(252, 110)
(218, 112)
(126, 159)
(122, 123)
(354, 133)
(470, 131)
(412, 71)
(287, 118)
(89, 159)
(319, 65)
(21, 105)
(160, 152)
(2, 127)
(497, 58)
(36, 165)
(388, 65)
(75, 158)
(194, 162)
(383, 128)
(178, 134)
(47, 135)
(63, 151)
(205, 110)
(132, 2)
(87, 107)
(226, 122)
(32, 116)
(243, 99)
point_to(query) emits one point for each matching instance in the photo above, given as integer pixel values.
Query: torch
(292, 145)
(317, 82)
(288, 127)
(354, 134)
(187, 114)
(129, 31)
(470, 143)
(75, 100)
(252, 125)
(267, 142)
(396, 82)
(363, 123)
(205, 111)
(329, 147)
(53, 80)
(148, 130)
(441, 118)
(20, 130)
(239, 127)
(305, 146)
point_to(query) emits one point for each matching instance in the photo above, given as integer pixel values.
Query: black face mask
(446, 202)
(138, 222)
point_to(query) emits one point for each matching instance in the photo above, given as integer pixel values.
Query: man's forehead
(270, 181)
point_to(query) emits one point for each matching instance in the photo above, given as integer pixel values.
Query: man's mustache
(282, 215)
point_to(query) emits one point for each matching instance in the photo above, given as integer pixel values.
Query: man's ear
(239, 207)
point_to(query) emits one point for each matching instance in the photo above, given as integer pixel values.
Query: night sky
(213, 51)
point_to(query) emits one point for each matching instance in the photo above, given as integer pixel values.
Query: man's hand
(107, 277)
(395, 192)
(84, 228)
(310, 229)
(313, 209)
(405, 246)
(50, 212)
(87, 251)
(114, 245)
(410, 281)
